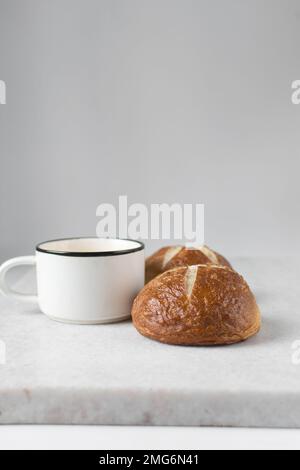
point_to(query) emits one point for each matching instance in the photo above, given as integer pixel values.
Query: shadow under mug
(83, 280)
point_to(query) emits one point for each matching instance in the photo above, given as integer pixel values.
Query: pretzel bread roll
(171, 257)
(197, 305)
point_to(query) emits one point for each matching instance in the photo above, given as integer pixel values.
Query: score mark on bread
(209, 253)
(190, 279)
(170, 253)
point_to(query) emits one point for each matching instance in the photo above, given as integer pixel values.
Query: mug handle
(4, 287)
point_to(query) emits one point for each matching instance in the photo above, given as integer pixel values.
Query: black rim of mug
(89, 254)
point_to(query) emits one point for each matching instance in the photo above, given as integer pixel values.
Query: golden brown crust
(155, 263)
(203, 305)
(171, 257)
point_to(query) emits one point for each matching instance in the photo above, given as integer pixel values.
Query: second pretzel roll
(171, 257)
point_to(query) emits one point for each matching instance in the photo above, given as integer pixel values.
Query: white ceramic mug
(83, 280)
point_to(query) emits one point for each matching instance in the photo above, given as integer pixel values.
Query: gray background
(163, 100)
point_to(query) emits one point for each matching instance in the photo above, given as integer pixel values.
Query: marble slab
(109, 374)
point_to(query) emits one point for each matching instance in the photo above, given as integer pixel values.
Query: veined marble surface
(108, 374)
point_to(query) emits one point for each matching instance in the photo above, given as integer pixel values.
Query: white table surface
(145, 438)
(111, 375)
